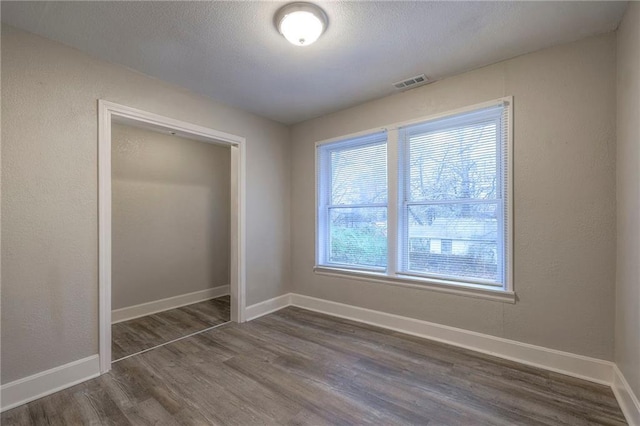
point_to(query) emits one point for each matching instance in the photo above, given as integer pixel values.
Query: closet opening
(171, 228)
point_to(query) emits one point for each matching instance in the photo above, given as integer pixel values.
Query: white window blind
(454, 197)
(441, 217)
(352, 199)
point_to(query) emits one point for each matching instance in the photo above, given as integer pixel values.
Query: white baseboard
(268, 306)
(594, 370)
(47, 382)
(626, 398)
(144, 309)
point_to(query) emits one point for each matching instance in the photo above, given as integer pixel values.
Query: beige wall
(627, 348)
(49, 194)
(564, 247)
(170, 215)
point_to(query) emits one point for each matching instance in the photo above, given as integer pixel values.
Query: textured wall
(627, 353)
(564, 207)
(49, 194)
(170, 218)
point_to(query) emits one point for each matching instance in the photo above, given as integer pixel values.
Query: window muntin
(450, 221)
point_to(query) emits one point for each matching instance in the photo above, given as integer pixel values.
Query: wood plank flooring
(133, 336)
(296, 367)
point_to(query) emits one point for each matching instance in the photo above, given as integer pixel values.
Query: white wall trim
(268, 306)
(107, 113)
(47, 382)
(592, 369)
(148, 308)
(427, 284)
(626, 398)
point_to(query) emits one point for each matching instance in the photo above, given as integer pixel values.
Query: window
(354, 203)
(425, 203)
(454, 181)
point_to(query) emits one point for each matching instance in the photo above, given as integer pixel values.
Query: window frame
(396, 181)
(475, 116)
(324, 207)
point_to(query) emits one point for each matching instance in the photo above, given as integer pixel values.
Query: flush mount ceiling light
(301, 23)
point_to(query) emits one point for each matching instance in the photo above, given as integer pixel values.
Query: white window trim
(450, 287)
(502, 294)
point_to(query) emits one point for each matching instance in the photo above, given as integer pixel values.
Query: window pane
(454, 163)
(358, 236)
(455, 240)
(359, 175)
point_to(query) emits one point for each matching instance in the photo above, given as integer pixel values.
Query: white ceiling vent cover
(412, 82)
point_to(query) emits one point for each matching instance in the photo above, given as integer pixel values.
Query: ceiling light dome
(301, 23)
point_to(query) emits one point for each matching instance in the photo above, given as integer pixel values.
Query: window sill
(420, 284)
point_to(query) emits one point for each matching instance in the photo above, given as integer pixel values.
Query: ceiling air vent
(412, 82)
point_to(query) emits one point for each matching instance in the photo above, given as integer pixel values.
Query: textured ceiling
(231, 51)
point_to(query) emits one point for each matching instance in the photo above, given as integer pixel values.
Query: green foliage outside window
(365, 246)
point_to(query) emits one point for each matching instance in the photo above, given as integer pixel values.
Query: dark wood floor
(130, 337)
(298, 367)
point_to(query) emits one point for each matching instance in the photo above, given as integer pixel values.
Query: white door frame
(109, 111)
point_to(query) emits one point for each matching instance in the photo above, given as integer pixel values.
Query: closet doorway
(171, 225)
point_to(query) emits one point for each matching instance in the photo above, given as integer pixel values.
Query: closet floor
(139, 334)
